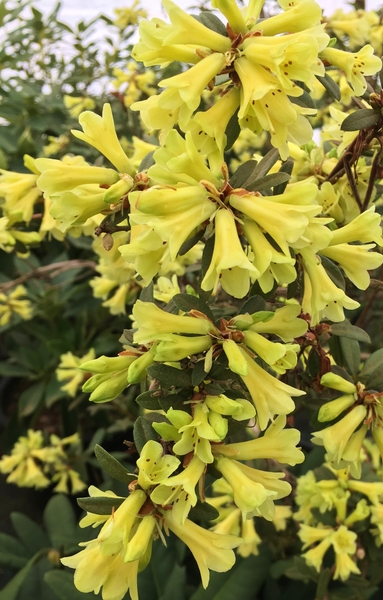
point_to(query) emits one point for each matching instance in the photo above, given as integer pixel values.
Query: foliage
(198, 268)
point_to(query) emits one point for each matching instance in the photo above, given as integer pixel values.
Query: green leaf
(345, 329)
(243, 173)
(111, 465)
(169, 376)
(60, 522)
(330, 85)
(207, 255)
(10, 591)
(31, 398)
(256, 290)
(372, 373)
(304, 100)
(191, 242)
(233, 130)
(360, 119)
(143, 432)
(267, 182)
(12, 552)
(301, 571)
(198, 373)
(61, 582)
(351, 354)
(188, 302)
(211, 22)
(267, 162)
(243, 581)
(287, 167)
(101, 505)
(323, 581)
(203, 511)
(11, 370)
(252, 305)
(30, 534)
(146, 294)
(147, 162)
(175, 588)
(333, 272)
(149, 400)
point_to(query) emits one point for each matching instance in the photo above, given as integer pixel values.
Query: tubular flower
(322, 298)
(212, 551)
(19, 192)
(270, 396)
(355, 66)
(15, 303)
(69, 369)
(277, 443)
(260, 63)
(100, 133)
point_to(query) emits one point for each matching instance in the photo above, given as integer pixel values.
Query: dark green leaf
(198, 373)
(111, 465)
(304, 100)
(143, 432)
(61, 582)
(330, 85)
(360, 119)
(252, 305)
(243, 173)
(264, 165)
(351, 354)
(10, 591)
(301, 571)
(11, 370)
(233, 130)
(333, 272)
(287, 167)
(323, 581)
(203, 511)
(147, 162)
(176, 400)
(175, 588)
(243, 581)
(345, 329)
(267, 182)
(188, 302)
(256, 290)
(146, 294)
(101, 505)
(207, 255)
(149, 400)
(211, 22)
(31, 535)
(372, 373)
(60, 522)
(31, 398)
(169, 376)
(191, 242)
(12, 552)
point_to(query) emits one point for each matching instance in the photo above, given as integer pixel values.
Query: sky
(72, 10)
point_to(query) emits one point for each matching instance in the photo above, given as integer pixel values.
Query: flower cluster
(33, 463)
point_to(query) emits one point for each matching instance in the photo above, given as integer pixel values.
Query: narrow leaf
(233, 130)
(372, 373)
(10, 591)
(351, 354)
(211, 22)
(147, 162)
(198, 373)
(267, 182)
(169, 376)
(111, 465)
(149, 401)
(360, 119)
(203, 511)
(102, 505)
(345, 329)
(330, 85)
(243, 173)
(62, 584)
(287, 167)
(191, 242)
(143, 432)
(188, 302)
(333, 272)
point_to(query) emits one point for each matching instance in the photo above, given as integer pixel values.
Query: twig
(50, 271)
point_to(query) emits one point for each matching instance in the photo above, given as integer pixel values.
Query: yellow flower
(100, 133)
(69, 369)
(344, 544)
(355, 65)
(76, 106)
(210, 550)
(231, 269)
(19, 192)
(12, 304)
(129, 15)
(335, 437)
(154, 466)
(284, 323)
